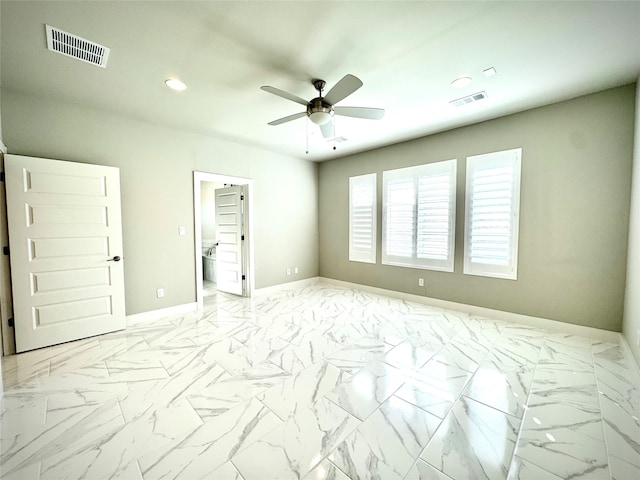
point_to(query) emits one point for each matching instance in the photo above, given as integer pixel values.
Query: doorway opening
(210, 252)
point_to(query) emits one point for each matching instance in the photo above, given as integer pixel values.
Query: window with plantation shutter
(418, 216)
(492, 214)
(362, 218)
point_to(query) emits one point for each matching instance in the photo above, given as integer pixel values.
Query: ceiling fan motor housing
(319, 111)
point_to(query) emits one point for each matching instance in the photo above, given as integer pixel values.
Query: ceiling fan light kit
(320, 117)
(321, 110)
(318, 111)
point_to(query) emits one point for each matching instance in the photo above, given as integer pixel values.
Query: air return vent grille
(468, 99)
(76, 47)
(337, 139)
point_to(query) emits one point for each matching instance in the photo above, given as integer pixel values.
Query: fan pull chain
(334, 132)
(306, 126)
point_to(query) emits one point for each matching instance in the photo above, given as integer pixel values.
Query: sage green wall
(631, 323)
(1, 141)
(156, 169)
(576, 166)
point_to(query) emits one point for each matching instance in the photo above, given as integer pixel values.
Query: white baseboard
(158, 314)
(281, 287)
(544, 323)
(628, 353)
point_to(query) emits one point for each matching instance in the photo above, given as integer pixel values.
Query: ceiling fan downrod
(319, 85)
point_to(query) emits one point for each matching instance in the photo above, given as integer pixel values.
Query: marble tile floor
(208, 287)
(322, 382)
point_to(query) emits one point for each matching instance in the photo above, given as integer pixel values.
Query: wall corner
(631, 318)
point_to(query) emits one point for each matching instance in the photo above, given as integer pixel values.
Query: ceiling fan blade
(360, 112)
(345, 87)
(327, 130)
(283, 94)
(288, 118)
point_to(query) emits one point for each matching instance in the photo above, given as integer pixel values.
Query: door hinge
(244, 277)
(241, 237)
(241, 197)
(5, 250)
(10, 322)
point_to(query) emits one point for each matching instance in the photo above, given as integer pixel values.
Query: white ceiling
(406, 53)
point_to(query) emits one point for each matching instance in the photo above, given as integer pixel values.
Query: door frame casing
(248, 253)
(8, 340)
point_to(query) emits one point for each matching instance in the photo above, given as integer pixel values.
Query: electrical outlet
(295, 270)
(421, 282)
(160, 292)
(288, 271)
(182, 231)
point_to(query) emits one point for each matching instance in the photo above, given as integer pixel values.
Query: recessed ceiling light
(175, 84)
(461, 82)
(489, 72)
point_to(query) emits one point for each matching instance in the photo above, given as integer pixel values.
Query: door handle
(114, 259)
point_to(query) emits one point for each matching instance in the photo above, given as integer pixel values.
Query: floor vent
(76, 47)
(468, 99)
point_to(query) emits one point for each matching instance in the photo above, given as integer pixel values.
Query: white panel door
(230, 234)
(65, 239)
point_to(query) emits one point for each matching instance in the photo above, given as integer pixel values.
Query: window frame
(502, 158)
(415, 173)
(359, 255)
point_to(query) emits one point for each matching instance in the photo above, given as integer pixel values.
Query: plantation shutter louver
(493, 201)
(400, 218)
(362, 218)
(433, 216)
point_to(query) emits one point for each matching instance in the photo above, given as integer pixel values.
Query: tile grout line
(526, 405)
(124, 420)
(139, 469)
(489, 350)
(186, 399)
(337, 468)
(602, 420)
(46, 410)
(437, 428)
(326, 457)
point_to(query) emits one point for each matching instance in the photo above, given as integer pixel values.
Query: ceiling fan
(321, 110)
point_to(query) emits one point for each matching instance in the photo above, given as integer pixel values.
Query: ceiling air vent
(76, 47)
(474, 97)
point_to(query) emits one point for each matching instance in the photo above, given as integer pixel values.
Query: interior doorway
(209, 239)
(205, 257)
